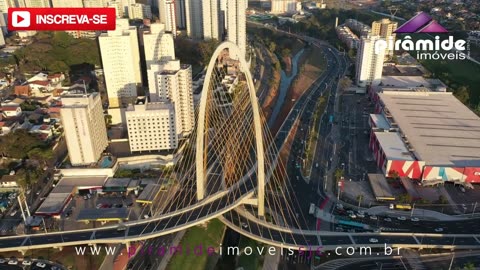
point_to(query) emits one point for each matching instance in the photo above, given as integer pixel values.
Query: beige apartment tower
(121, 63)
(385, 29)
(84, 124)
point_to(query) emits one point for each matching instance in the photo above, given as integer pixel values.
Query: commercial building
(212, 29)
(151, 127)
(121, 63)
(194, 18)
(67, 3)
(84, 124)
(139, 11)
(237, 24)
(432, 136)
(180, 13)
(168, 14)
(369, 64)
(284, 6)
(386, 30)
(347, 36)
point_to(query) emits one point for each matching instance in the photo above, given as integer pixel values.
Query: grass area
(313, 135)
(209, 236)
(253, 261)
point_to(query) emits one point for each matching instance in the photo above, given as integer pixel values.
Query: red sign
(61, 19)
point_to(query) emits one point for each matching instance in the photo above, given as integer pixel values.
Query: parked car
(27, 261)
(13, 261)
(415, 219)
(387, 219)
(373, 240)
(13, 213)
(40, 265)
(402, 218)
(439, 230)
(373, 217)
(85, 197)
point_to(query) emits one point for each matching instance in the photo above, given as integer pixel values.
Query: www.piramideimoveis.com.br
(200, 250)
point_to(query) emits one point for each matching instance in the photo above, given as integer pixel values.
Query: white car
(41, 265)
(373, 217)
(339, 206)
(352, 215)
(387, 219)
(439, 230)
(244, 225)
(402, 218)
(373, 240)
(13, 261)
(13, 213)
(27, 262)
(415, 219)
(360, 215)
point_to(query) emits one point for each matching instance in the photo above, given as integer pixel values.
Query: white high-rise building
(121, 63)
(180, 14)
(158, 45)
(84, 124)
(34, 3)
(67, 3)
(172, 82)
(139, 11)
(120, 11)
(151, 127)
(95, 3)
(284, 6)
(369, 64)
(211, 20)
(4, 5)
(237, 24)
(168, 15)
(194, 17)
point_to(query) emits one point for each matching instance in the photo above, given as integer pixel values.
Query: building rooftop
(440, 129)
(380, 121)
(153, 106)
(117, 182)
(53, 204)
(381, 188)
(393, 146)
(103, 214)
(405, 81)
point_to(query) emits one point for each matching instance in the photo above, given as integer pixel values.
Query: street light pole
(413, 208)
(473, 211)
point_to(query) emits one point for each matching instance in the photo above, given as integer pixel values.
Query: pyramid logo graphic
(421, 23)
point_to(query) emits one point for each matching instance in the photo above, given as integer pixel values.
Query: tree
(108, 120)
(17, 144)
(206, 49)
(442, 199)
(27, 177)
(42, 155)
(272, 46)
(338, 174)
(462, 94)
(405, 198)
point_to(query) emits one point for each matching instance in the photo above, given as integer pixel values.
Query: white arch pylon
(259, 144)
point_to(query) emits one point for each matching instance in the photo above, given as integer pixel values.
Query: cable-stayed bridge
(230, 169)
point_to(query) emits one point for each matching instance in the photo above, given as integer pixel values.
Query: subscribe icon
(21, 19)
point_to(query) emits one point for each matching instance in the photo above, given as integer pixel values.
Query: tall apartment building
(369, 64)
(172, 82)
(284, 6)
(158, 45)
(385, 29)
(168, 15)
(67, 3)
(212, 29)
(237, 24)
(120, 11)
(34, 3)
(139, 11)
(95, 3)
(4, 5)
(194, 18)
(84, 124)
(180, 14)
(121, 63)
(151, 127)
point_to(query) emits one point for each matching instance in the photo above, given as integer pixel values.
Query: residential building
(34, 3)
(95, 3)
(151, 127)
(194, 18)
(11, 111)
(4, 5)
(67, 3)
(172, 82)
(284, 6)
(212, 29)
(237, 24)
(9, 181)
(139, 11)
(180, 14)
(168, 15)
(158, 45)
(84, 34)
(22, 90)
(84, 125)
(386, 30)
(120, 10)
(121, 63)
(369, 64)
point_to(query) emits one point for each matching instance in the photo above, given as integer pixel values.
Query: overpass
(217, 180)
